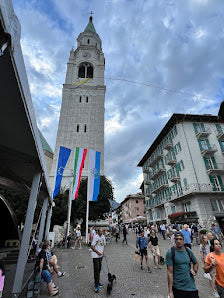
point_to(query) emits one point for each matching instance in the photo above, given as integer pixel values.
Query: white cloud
(113, 125)
(178, 46)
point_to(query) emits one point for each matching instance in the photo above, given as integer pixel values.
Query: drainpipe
(191, 156)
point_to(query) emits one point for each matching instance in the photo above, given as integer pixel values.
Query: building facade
(132, 206)
(81, 122)
(184, 171)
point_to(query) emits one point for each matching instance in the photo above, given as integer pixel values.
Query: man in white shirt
(98, 245)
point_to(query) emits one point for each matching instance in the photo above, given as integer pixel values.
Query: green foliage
(96, 209)
(59, 215)
(19, 203)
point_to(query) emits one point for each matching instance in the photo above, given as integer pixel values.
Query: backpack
(188, 252)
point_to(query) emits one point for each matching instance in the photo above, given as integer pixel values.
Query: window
(88, 41)
(216, 183)
(136, 201)
(217, 205)
(87, 99)
(182, 165)
(199, 127)
(85, 70)
(221, 143)
(89, 72)
(173, 209)
(85, 128)
(80, 99)
(136, 209)
(203, 144)
(82, 71)
(77, 129)
(220, 204)
(187, 207)
(219, 128)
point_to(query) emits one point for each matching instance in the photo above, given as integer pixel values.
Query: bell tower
(81, 122)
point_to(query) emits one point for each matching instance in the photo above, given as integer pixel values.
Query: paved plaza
(131, 280)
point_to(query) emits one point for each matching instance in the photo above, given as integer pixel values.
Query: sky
(158, 44)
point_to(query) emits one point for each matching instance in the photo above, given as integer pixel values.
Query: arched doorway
(8, 222)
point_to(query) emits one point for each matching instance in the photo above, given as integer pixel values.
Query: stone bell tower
(81, 122)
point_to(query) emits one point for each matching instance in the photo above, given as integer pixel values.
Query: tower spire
(90, 26)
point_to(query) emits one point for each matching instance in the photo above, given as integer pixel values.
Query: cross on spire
(91, 13)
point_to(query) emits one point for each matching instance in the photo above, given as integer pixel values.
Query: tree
(97, 209)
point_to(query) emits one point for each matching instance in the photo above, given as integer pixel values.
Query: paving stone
(131, 280)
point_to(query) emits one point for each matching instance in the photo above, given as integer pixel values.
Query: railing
(216, 166)
(203, 132)
(168, 144)
(155, 157)
(182, 191)
(145, 168)
(208, 150)
(220, 134)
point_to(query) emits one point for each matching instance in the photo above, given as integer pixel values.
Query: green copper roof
(90, 26)
(44, 143)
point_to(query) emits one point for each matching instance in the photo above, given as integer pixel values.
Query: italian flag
(80, 156)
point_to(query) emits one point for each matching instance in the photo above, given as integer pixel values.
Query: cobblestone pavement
(131, 280)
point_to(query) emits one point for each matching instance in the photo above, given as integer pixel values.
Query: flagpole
(68, 214)
(87, 211)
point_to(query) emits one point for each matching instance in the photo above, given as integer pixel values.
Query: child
(2, 276)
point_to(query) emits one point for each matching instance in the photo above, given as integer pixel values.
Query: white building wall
(195, 173)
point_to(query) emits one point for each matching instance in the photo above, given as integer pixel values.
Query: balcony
(145, 169)
(208, 151)
(157, 172)
(175, 178)
(160, 188)
(147, 182)
(154, 160)
(203, 133)
(172, 161)
(216, 169)
(220, 135)
(168, 145)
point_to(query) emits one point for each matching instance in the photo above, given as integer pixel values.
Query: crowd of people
(182, 265)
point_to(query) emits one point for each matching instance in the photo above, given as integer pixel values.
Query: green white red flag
(80, 156)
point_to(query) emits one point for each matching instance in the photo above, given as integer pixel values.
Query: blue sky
(176, 45)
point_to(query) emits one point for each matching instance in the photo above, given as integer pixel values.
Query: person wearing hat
(180, 275)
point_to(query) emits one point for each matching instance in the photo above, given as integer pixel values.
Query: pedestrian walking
(196, 233)
(125, 235)
(116, 232)
(204, 251)
(210, 237)
(98, 251)
(215, 259)
(153, 242)
(163, 231)
(180, 275)
(217, 231)
(187, 236)
(77, 238)
(142, 247)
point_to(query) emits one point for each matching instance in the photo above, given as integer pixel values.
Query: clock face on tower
(86, 55)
